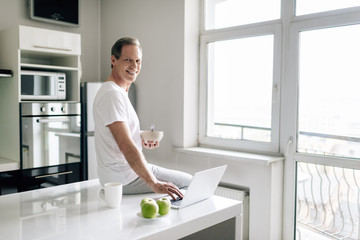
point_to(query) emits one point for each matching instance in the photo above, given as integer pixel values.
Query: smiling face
(126, 69)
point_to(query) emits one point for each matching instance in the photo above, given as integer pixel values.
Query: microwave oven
(38, 85)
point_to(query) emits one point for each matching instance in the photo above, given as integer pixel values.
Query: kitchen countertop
(74, 211)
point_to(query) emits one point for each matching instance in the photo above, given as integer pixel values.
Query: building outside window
(283, 77)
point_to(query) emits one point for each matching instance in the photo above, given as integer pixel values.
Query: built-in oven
(50, 141)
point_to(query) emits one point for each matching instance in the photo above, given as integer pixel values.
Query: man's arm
(136, 160)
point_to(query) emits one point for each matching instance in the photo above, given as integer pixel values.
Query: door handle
(45, 120)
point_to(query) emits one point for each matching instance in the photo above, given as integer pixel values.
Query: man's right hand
(167, 188)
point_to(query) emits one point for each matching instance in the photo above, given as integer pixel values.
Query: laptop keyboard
(176, 202)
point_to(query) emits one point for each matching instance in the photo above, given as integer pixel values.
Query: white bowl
(154, 136)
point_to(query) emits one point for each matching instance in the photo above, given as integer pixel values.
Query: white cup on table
(111, 193)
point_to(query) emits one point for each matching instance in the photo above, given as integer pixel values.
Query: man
(117, 131)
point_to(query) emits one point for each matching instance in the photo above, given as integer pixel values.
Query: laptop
(201, 187)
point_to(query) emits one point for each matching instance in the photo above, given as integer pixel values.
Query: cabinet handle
(53, 48)
(54, 174)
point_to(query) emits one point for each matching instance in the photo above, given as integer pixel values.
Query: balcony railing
(337, 137)
(328, 202)
(328, 198)
(242, 128)
(308, 142)
(310, 134)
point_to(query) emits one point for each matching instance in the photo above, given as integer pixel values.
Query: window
(328, 128)
(240, 103)
(283, 77)
(329, 85)
(234, 82)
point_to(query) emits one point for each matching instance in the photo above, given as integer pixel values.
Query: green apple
(164, 205)
(149, 208)
(144, 200)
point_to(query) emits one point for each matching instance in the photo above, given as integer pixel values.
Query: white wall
(160, 27)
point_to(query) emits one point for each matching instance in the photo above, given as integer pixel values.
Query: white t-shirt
(112, 104)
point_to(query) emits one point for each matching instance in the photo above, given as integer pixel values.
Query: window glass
(240, 95)
(229, 13)
(329, 86)
(311, 6)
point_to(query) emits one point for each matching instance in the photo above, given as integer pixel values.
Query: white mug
(111, 193)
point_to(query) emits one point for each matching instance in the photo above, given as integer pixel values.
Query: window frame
(290, 25)
(289, 115)
(274, 28)
(307, 23)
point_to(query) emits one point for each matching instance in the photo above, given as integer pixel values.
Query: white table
(73, 211)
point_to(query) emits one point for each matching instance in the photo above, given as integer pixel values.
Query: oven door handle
(48, 120)
(53, 174)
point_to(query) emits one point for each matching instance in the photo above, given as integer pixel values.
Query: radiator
(243, 196)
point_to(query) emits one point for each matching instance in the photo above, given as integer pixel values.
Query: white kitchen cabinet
(29, 48)
(44, 40)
